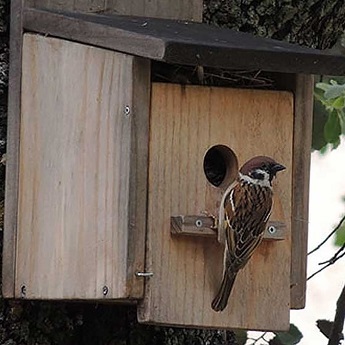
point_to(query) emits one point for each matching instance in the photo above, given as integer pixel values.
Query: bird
(243, 215)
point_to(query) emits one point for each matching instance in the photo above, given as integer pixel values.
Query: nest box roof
(183, 42)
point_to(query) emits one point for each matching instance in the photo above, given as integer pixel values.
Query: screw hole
(220, 165)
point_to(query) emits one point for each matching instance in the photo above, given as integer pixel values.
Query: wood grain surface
(12, 156)
(304, 93)
(185, 122)
(82, 186)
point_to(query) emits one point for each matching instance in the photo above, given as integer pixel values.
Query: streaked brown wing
(247, 209)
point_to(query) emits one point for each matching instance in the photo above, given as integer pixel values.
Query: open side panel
(82, 197)
(185, 122)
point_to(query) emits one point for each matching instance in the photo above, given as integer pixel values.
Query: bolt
(105, 290)
(272, 229)
(127, 110)
(199, 223)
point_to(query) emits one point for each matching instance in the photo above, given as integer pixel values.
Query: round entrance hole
(220, 165)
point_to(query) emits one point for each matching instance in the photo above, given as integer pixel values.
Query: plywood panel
(171, 9)
(79, 155)
(185, 122)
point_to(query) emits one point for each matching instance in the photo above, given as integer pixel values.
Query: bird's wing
(222, 217)
(246, 210)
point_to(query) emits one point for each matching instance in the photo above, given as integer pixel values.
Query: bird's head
(260, 170)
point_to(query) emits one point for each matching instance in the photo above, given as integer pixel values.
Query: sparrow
(243, 215)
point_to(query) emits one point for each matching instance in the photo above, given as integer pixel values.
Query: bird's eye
(257, 175)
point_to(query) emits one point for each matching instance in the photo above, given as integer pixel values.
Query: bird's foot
(214, 218)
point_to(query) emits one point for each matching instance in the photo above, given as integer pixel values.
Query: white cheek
(263, 183)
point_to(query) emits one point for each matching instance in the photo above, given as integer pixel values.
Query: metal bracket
(203, 226)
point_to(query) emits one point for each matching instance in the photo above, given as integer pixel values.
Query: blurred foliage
(340, 234)
(329, 113)
(329, 123)
(291, 337)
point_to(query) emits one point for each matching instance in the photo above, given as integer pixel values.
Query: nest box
(109, 172)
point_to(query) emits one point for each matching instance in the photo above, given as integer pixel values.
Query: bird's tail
(221, 300)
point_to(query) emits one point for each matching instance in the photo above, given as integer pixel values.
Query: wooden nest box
(109, 171)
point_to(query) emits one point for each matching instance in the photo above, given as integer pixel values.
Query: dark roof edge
(183, 42)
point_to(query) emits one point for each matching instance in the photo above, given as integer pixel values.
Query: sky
(327, 187)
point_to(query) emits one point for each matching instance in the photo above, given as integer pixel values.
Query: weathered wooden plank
(13, 129)
(83, 140)
(140, 113)
(303, 86)
(187, 270)
(184, 42)
(204, 226)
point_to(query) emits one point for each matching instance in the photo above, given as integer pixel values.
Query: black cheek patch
(257, 176)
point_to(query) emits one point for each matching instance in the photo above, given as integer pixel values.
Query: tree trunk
(313, 23)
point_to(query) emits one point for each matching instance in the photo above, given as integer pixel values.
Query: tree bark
(313, 23)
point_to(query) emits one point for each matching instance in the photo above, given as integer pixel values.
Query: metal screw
(272, 229)
(144, 274)
(105, 290)
(23, 291)
(127, 110)
(199, 223)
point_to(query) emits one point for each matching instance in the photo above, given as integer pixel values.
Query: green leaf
(324, 149)
(320, 116)
(292, 337)
(323, 86)
(334, 91)
(332, 129)
(340, 236)
(339, 103)
(341, 114)
(241, 336)
(336, 144)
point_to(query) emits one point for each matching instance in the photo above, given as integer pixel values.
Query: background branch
(328, 236)
(336, 334)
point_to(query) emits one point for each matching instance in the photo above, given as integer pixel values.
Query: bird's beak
(277, 167)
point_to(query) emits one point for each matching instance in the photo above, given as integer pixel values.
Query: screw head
(272, 229)
(127, 110)
(105, 290)
(199, 223)
(23, 291)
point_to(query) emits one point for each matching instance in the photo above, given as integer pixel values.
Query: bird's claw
(214, 226)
